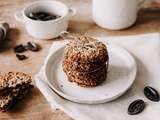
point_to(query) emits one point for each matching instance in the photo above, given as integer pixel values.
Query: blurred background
(158, 1)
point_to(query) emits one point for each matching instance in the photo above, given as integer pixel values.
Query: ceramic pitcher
(115, 14)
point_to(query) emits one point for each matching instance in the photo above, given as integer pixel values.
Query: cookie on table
(13, 87)
(6, 102)
(14, 79)
(3, 84)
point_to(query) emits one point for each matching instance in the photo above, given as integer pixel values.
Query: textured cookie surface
(3, 83)
(13, 87)
(83, 67)
(14, 79)
(6, 102)
(85, 50)
(85, 61)
(87, 79)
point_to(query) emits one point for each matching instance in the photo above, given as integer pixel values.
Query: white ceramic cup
(46, 29)
(115, 14)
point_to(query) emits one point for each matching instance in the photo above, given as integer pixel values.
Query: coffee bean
(32, 46)
(19, 48)
(42, 16)
(49, 18)
(32, 16)
(151, 94)
(136, 107)
(21, 57)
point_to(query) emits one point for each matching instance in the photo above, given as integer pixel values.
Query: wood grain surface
(35, 107)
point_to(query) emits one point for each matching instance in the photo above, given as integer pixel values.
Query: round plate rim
(77, 100)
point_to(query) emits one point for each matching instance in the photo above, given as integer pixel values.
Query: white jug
(115, 14)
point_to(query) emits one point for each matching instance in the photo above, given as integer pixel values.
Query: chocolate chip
(136, 107)
(151, 94)
(19, 48)
(32, 46)
(21, 57)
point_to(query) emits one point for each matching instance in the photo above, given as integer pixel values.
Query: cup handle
(141, 2)
(19, 16)
(72, 12)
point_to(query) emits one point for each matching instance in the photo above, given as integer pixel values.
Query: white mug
(46, 29)
(115, 14)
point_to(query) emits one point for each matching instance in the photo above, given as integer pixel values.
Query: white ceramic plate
(121, 75)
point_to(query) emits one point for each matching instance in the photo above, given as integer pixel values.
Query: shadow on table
(25, 104)
(148, 15)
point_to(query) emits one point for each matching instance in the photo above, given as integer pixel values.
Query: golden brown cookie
(85, 50)
(86, 61)
(83, 67)
(87, 79)
(6, 102)
(14, 79)
(13, 87)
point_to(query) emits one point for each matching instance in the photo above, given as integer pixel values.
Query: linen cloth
(146, 51)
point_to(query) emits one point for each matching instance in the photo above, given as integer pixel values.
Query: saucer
(121, 75)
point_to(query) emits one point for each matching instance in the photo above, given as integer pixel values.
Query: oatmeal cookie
(83, 67)
(13, 87)
(86, 50)
(85, 61)
(14, 81)
(6, 102)
(87, 79)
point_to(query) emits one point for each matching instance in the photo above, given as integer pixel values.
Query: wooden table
(35, 107)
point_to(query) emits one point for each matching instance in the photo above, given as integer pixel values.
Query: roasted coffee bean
(136, 107)
(49, 18)
(19, 48)
(21, 57)
(42, 16)
(32, 16)
(151, 94)
(32, 46)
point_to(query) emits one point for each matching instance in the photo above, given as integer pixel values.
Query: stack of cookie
(86, 61)
(13, 87)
